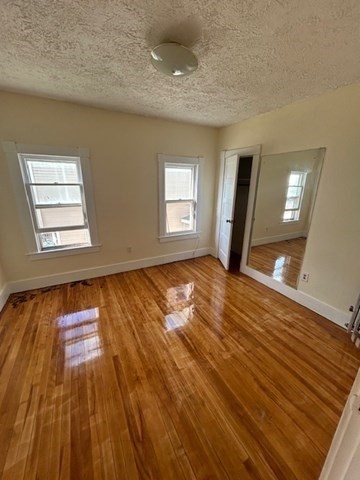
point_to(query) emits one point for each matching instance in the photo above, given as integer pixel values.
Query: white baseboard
(337, 316)
(76, 275)
(331, 313)
(4, 295)
(277, 238)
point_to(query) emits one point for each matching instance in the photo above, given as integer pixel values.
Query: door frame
(343, 456)
(253, 151)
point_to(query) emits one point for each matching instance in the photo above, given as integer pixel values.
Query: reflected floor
(280, 260)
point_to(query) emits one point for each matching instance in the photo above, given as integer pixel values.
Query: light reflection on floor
(80, 336)
(280, 268)
(180, 304)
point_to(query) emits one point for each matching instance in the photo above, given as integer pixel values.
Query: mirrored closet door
(285, 199)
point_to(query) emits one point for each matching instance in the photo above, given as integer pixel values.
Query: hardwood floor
(280, 260)
(182, 371)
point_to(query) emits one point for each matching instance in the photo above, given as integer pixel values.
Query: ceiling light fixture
(174, 60)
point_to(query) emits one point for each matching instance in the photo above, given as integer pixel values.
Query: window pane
(64, 239)
(289, 215)
(295, 179)
(294, 192)
(54, 194)
(41, 171)
(292, 202)
(179, 183)
(179, 217)
(59, 217)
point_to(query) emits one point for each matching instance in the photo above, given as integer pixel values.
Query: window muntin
(55, 194)
(294, 196)
(178, 196)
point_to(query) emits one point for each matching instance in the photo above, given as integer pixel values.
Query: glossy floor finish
(182, 371)
(279, 260)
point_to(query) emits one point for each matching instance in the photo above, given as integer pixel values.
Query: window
(294, 196)
(178, 196)
(54, 198)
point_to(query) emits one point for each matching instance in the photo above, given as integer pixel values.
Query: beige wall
(332, 121)
(271, 194)
(124, 168)
(123, 155)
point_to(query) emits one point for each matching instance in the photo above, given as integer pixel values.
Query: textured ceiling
(255, 55)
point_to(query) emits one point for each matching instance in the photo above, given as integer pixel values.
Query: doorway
(237, 187)
(240, 210)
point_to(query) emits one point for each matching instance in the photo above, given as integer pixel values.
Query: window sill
(179, 236)
(63, 252)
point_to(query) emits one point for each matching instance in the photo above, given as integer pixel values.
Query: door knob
(229, 221)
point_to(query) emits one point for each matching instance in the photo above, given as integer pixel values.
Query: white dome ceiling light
(174, 60)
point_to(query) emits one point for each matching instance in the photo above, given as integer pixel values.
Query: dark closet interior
(241, 201)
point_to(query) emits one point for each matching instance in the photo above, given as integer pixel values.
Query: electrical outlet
(305, 277)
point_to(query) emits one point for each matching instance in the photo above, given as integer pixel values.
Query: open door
(343, 460)
(227, 209)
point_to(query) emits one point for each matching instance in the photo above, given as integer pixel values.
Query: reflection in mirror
(284, 204)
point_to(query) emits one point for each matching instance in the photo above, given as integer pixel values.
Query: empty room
(179, 240)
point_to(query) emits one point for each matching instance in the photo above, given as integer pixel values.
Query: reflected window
(280, 267)
(294, 196)
(80, 336)
(178, 319)
(279, 263)
(180, 304)
(181, 293)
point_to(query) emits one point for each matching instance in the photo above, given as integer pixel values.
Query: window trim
(13, 151)
(197, 162)
(297, 211)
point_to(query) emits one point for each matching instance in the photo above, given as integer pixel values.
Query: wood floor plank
(182, 371)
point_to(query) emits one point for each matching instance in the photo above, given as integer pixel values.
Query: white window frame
(196, 163)
(296, 211)
(15, 156)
